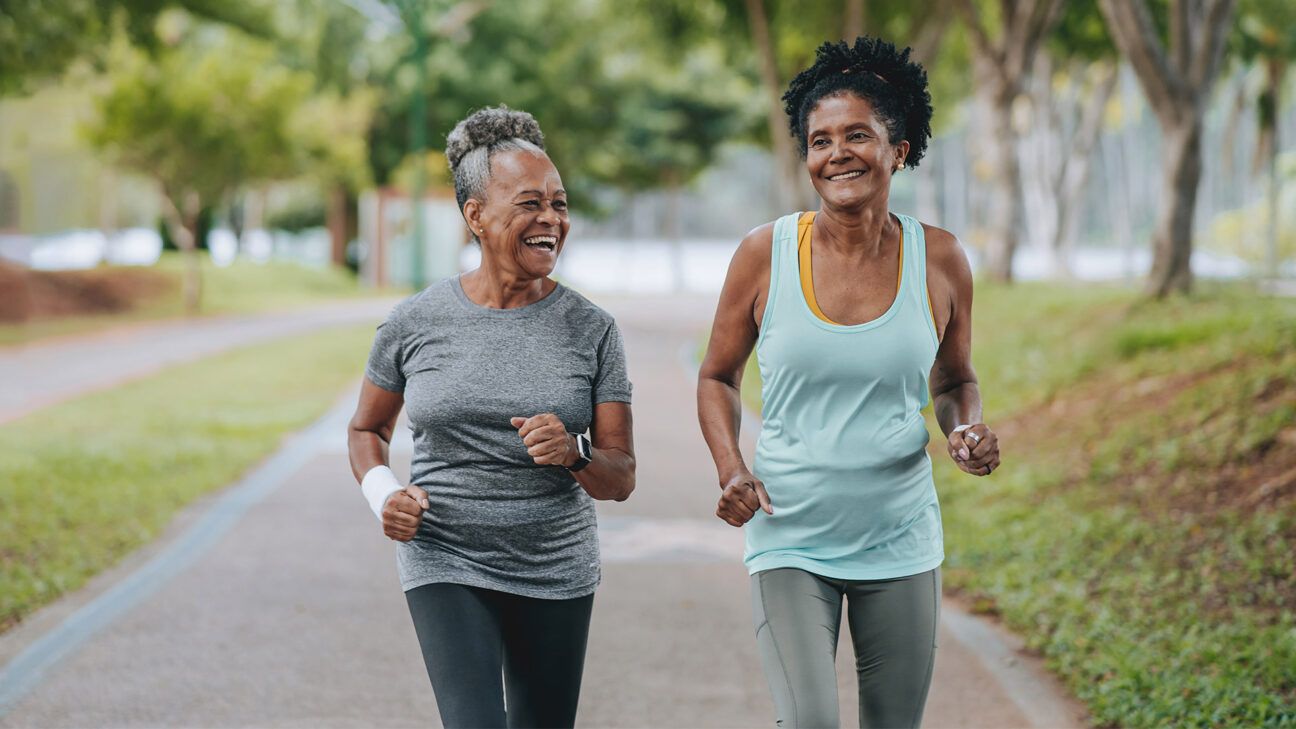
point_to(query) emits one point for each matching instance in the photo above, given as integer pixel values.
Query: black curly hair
(875, 71)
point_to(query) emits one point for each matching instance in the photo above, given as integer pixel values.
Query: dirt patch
(30, 295)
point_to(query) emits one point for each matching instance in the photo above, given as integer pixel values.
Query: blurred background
(1119, 172)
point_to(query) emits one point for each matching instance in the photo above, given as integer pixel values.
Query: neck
(863, 229)
(494, 288)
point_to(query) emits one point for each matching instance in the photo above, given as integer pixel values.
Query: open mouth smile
(546, 242)
(846, 176)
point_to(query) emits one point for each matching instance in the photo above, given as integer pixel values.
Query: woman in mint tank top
(859, 317)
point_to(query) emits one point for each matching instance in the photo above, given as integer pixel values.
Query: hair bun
(490, 126)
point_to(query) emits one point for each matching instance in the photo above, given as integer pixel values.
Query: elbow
(626, 485)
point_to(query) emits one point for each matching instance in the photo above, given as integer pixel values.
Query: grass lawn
(1141, 533)
(89, 480)
(241, 288)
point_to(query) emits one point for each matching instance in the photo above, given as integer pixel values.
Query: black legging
(468, 634)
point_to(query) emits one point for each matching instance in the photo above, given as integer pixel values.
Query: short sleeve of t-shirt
(387, 357)
(611, 384)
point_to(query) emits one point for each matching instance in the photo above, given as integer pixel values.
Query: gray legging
(893, 627)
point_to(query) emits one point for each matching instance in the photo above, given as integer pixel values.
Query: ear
(901, 152)
(472, 211)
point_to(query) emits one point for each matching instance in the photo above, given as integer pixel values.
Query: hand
(975, 450)
(402, 513)
(547, 440)
(743, 494)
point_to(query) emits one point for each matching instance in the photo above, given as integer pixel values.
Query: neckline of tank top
(882, 318)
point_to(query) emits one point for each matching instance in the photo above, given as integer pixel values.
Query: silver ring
(970, 434)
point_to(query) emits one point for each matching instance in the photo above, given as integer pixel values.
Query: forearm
(959, 405)
(610, 475)
(366, 449)
(720, 416)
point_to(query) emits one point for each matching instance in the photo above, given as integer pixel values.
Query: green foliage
(90, 480)
(202, 121)
(41, 38)
(1265, 29)
(614, 107)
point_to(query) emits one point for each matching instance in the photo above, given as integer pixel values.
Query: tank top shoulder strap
(783, 267)
(915, 274)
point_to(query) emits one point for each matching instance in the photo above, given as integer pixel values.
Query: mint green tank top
(842, 448)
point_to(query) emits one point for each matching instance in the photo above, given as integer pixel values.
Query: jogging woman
(502, 370)
(856, 314)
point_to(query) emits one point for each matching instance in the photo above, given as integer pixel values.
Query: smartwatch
(584, 453)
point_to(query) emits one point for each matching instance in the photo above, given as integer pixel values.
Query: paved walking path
(276, 603)
(41, 374)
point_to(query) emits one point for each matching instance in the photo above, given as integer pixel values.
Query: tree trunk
(854, 25)
(785, 154)
(1270, 147)
(182, 222)
(1172, 240)
(336, 214)
(1076, 170)
(1005, 212)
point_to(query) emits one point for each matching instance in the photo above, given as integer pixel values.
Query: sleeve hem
(384, 383)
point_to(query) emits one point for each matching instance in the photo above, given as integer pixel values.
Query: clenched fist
(547, 440)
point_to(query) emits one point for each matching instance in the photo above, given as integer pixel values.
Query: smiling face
(849, 154)
(523, 222)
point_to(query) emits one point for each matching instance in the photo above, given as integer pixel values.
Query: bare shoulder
(945, 254)
(753, 254)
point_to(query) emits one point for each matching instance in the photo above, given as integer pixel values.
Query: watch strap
(584, 453)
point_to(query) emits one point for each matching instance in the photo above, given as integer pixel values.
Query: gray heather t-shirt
(496, 519)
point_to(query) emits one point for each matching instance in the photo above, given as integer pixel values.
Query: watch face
(583, 445)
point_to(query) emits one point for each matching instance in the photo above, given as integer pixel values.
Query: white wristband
(377, 485)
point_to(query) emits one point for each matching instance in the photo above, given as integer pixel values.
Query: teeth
(846, 175)
(540, 240)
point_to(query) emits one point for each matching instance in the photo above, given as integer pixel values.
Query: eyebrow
(557, 192)
(851, 127)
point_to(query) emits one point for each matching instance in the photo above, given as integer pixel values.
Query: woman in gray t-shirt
(501, 370)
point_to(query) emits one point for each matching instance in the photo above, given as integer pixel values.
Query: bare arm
(369, 436)
(956, 395)
(369, 433)
(733, 335)
(610, 475)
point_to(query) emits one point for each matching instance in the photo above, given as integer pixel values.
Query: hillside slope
(1141, 531)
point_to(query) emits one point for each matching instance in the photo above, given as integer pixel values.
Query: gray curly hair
(476, 139)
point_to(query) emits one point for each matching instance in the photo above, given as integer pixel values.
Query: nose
(839, 152)
(549, 216)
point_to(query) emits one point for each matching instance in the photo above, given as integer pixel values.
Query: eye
(530, 204)
(560, 204)
(858, 136)
(818, 142)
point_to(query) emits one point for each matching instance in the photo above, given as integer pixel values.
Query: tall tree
(201, 122)
(1069, 89)
(1007, 58)
(1266, 36)
(1176, 78)
(328, 40)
